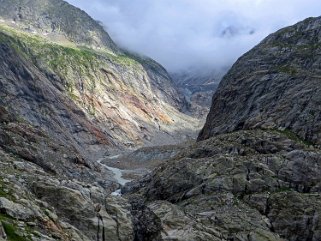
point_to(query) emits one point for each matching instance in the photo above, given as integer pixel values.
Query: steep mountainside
(47, 190)
(57, 20)
(78, 86)
(257, 174)
(198, 87)
(274, 86)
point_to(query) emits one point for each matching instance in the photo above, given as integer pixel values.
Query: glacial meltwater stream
(118, 173)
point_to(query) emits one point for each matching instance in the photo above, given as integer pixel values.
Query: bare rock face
(29, 94)
(3, 235)
(246, 185)
(254, 176)
(36, 205)
(276, 85)
(147, 225)
(57, 19)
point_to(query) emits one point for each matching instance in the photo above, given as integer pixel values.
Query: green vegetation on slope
(292, 136)
(12, 230)
(79, 68)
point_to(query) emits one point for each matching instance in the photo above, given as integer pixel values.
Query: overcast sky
(195, 33)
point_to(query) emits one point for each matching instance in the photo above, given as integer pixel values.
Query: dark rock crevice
(147, 226)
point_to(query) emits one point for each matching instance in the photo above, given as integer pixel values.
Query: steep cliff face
(62, 23)
(78, 86)
(276, 85)
(48, 191)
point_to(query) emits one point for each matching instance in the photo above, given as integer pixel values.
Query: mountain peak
(57, 20)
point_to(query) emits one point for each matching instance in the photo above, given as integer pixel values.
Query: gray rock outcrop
(59, 20)
(273, 86)
(246, 185)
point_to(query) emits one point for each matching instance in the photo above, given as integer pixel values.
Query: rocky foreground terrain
(246, 185)
(254, 174)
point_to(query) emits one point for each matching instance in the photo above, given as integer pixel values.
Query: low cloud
(182, 34)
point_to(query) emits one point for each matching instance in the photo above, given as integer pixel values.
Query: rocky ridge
(246, 185)
(273, 86)
(57, 20)
(46, 187)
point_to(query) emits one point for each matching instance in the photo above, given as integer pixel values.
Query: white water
(113, 157)
(116, 193)
(118, 173)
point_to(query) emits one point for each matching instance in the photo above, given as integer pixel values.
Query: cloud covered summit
(205, 33)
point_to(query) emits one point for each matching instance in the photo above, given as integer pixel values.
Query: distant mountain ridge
(199, 82)
(198, 86)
